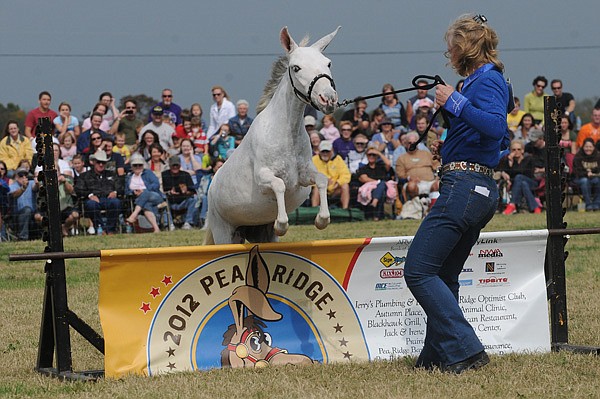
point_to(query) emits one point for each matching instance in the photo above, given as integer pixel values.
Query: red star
(145, 307)
(167, 280)
(154, 292)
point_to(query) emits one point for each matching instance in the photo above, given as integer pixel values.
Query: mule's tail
(208, 237)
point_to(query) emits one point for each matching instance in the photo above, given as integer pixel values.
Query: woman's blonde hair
(474, 42)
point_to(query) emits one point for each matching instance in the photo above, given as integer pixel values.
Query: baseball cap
(174, 160)
(157, 110)
(310, 120)
(325, 146)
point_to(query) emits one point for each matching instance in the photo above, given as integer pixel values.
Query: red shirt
(33, 115)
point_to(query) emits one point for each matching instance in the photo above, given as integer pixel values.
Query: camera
(128, 112)
(223, 134)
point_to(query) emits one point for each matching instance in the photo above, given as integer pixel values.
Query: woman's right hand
(436, 148)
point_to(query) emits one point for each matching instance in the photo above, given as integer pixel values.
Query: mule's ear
(257, 273)
(287, 42)
(323, 42)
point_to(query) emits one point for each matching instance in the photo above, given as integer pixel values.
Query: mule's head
(310, 72)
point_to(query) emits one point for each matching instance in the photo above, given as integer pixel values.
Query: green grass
(516, 375)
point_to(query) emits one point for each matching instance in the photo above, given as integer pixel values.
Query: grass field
(562, 375)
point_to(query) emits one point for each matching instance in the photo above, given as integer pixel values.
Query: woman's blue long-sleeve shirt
(478, 127)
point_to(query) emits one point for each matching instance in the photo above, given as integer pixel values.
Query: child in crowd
(199, 136)
(329, 131)
(223, 143)
(122, 148)
(68, 149)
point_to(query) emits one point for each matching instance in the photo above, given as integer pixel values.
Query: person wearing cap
(336, 170)
(115, 163)
(374, 177)
(310, 123)
(220, 111)
(100, 189)
(240, 123)
(169, 107)
(163, 130)
(180, 191)
(416, 170)
(143, 185)
(23, 192)
(413, 103)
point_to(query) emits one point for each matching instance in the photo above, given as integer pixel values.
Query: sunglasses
(101, 162)
(360, 143)
(217, 94)
(96, 138)
(480, 18)
(130, 107)
(542, 86)
(557, 88)
(137, 165)
(167, 96)
(371, 155)
(346, 130)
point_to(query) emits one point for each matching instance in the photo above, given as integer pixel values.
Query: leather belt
(468, 167)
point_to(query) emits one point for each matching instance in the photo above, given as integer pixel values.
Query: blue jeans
(524, 186)
(23, 218)
(112, 206)
(436, 258)
(590, 189)
(149, 201)
(189, 205)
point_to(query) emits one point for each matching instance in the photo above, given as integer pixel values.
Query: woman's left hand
(442, 92)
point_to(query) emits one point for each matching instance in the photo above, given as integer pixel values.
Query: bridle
(306, 98)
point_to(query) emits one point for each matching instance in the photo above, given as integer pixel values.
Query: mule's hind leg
(222, 232)
(322, 219)
(267, 179)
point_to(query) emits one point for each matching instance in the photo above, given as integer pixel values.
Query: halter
(242, 352)
(306, 98)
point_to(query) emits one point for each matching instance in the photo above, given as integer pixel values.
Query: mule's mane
(278, 69)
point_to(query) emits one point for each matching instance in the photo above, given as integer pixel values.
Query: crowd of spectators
(117, 170)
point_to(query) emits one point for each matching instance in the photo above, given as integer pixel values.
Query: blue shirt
(27, 199)
(478, 127)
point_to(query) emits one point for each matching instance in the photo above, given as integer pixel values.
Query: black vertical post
(54, 333)
(555, 253)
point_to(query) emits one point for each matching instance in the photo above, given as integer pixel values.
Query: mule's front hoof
(281, 228)
(321, 222)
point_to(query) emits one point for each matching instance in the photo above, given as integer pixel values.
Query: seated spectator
(416, 171)
(121, 148)
(590, 130)
(143, 185)
(344, 144)
(517, 171)
(199, 137)
(147, 139)
(334, 167)
(68, 148)
(513, 119)
(163, 130)
(128, 123)
(65, 122)
(180, 191)
(393, 108)
(101, 109)
(387, 140)
(14, 147)
(329, 131)
(101, 189)
(534, 100)
(358, 116)
(568, 141)
(78, 166)
(4, 200)
(190, 162)
(115, 163)
(310, 123)
(43, 111)
(240, 124)
(358, 156)
(204, 185)
(525, 126)
(376, 118)
(157, 162)
(84, 142)
(315, 141)
(415, 102)
(196, 111)
(373, 178)
(23, 192)
(586, 169)
(223, 143)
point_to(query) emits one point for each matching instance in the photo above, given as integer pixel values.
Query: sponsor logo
(388, 286)
(401, 244)
(495, 268)
(493, 282)
(490, 253)
(391, 273)
(487, 241)
(389, 260)
(464, 283)
(467, 270)
(490, 267)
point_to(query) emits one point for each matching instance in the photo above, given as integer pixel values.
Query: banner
(195, 308)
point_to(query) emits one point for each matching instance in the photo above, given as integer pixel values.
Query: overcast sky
(77, 49)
